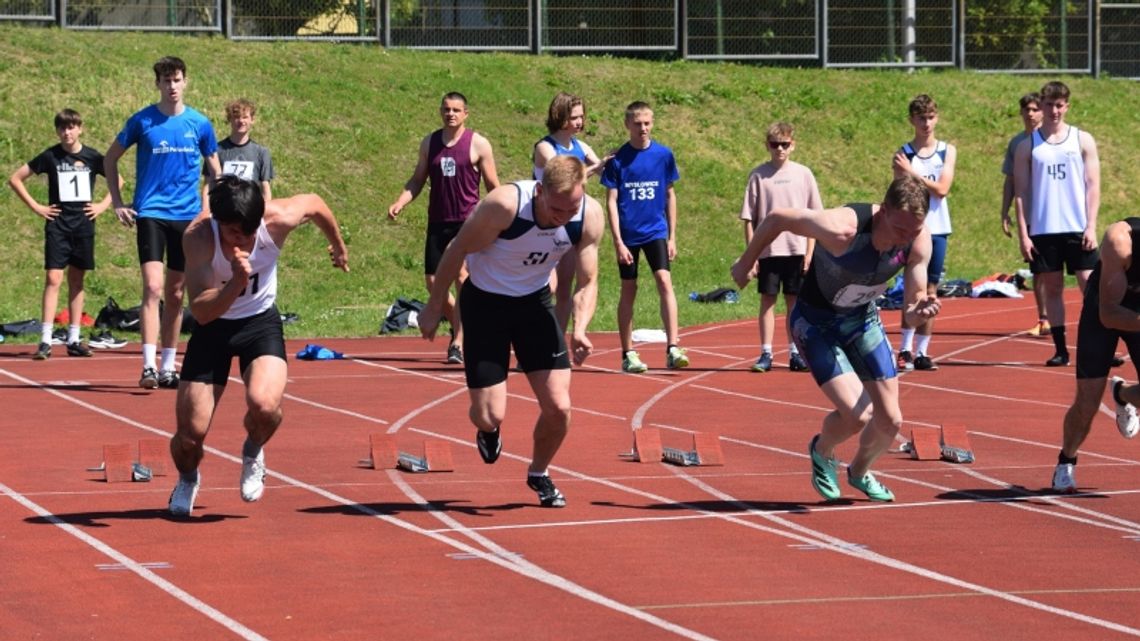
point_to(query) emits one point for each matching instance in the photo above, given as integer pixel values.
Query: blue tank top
(575, 149)
(852, 281)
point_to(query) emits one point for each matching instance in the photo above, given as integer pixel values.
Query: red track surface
(643, 551)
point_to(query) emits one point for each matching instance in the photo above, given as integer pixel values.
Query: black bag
(30, 326)
(113, 317)
(399, 315)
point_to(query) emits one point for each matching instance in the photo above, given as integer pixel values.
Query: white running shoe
(1063, 480)
(1126, 419)
(182, 498)
(253, 477)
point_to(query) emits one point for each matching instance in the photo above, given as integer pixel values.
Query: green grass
(344, 121)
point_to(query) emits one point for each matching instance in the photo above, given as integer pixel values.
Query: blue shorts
(836, 344)
(937, 267)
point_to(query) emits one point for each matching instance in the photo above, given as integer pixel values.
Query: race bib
(856, 295)
(447, 166)
(241, 168)
(74, 187)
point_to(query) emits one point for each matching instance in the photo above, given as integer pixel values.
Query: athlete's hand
(741, 273)
(581, 348)
(126, 215)
(671, 246)
(624, 256)
(428, 320)
(241, 268)
(1005, 222)
(923, 310)
(47, 212)
(339, 257)
(901, 165)
(1088, 240)
(1028, 251)
(91, 210)
(394, 211)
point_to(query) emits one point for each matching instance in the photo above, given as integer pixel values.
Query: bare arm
(486, 162)
(543, 152)
(208, 302)
(415, 184)
(586, 279)
(123, 212)
(1022, 191)
(919, 305)
(671, 219)
(1115, 258)
(832, 228)
(16, 182)
(1006, 201)
(284, 215)
(1092, 189)
(940, 187)
(594, 164)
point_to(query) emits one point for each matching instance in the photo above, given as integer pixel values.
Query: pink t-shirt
(793, 185)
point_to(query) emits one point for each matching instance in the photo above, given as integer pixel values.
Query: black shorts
(212, 346)
(64, 248)
(439, 235)
(780, 270)
(493, 323)
(1096, 344)
(1055, 251)
(656, 256)
(157, 236)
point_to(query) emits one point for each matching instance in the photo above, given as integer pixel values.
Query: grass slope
(344, 121)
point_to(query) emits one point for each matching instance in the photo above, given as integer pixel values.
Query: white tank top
(521, 258)
(930, 168)
(1058, 184)
(261, 292)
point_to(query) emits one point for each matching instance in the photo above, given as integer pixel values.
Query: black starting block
(948, 443)
(386, 455)
(647, 448)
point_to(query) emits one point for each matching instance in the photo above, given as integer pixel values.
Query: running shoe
(924, 362)
(632, 363)
(676, 358)
(168, 379)
(253, 476)
(870, 486)
(105, 340)
(1126, 419)
(149, 378)
(77, 349)
(454, 355)
(59, 336)
(796, 363)
(763, 364)
(490, 445)
(43, 352)
(905, 361)
(1058, 360)
(824, 478)
(548, 495)
(182, 498)
(1042, 328)
(1063, 479)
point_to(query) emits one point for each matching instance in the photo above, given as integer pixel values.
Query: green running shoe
(824, 478)
(870, 486)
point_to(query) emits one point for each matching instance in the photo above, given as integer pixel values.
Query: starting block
(949, 443)
(385, 455)
(119, 464)
(647, 448)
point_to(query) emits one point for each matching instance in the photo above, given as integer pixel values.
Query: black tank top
(1132, 295)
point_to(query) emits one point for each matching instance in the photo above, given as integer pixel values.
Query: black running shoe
(168, 379)
(43, 352)
(796, 363)
(454, 355)
(1058, 360)
(548, 495)
(149, 378)
(924, 362)
(490, 446)
(77, 349)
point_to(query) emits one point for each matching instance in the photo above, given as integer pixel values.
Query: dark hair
(67, 118)
(632, 108)
(1032, 97)
(1055, 90)
(922, 105)
(560, 109)
(167, 66)
(236, 200)
(453, 95)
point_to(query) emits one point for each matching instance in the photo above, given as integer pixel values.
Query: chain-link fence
(752, 29)
(1020, 36)
(1120, 39)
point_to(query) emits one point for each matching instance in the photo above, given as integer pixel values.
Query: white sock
(907, 340)
(149, 352)
(45, 333)
(72, 333)
(922, 344)
(792, 349)
(766, 349)
(168, 354)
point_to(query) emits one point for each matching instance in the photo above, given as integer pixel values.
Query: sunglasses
(779, 145)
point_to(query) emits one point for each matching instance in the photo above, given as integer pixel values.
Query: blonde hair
(562, 174)
(781, 129)
(908, 193)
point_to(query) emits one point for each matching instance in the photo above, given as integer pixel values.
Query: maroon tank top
(454, 180)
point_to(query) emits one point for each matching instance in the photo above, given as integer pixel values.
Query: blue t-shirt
(642, 178)
(168, 161)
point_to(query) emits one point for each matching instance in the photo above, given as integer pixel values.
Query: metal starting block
(949, 443)
(120, 466)
(385, 455)
(647, 448)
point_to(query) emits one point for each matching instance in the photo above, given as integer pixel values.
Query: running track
(643, 551)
